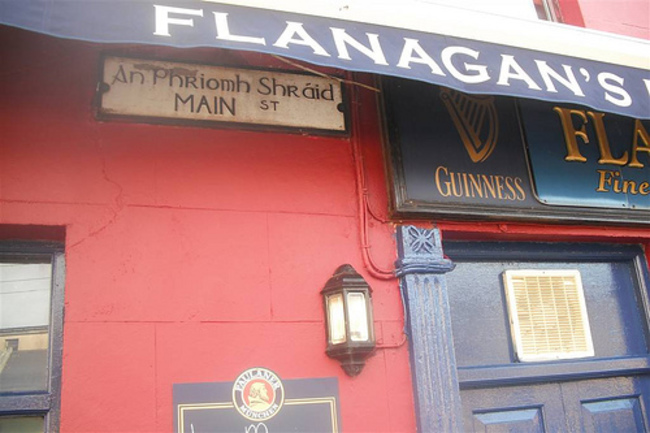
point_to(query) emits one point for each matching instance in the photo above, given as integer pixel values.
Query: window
(548, 314)
(546, 10)
(31, 329)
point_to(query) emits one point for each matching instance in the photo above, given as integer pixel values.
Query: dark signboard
(258, 401)
(469, 156)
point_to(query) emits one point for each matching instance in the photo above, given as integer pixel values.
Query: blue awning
(543, 61)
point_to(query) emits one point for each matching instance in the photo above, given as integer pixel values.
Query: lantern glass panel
(358, 317)
(336, 320)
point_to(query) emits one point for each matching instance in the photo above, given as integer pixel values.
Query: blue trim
(468, 251)
(523, 374)
(405, 268)
(422, 266)
(420, 252)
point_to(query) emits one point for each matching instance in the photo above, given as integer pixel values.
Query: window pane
(21, 424)
(25, 290)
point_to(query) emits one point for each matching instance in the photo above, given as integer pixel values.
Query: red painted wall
(195, 253)
(628, 17)
(192, 253)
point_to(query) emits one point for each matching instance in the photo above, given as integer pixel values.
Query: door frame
(437, 379)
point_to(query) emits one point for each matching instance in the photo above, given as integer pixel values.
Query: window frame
(597, 367)
(422, 265)
(42, 403)
(550, 8)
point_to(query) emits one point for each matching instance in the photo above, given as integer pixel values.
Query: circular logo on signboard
(258, 394)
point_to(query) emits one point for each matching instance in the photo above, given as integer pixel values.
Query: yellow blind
(548, 315)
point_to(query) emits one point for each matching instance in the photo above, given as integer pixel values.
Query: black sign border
(404, 207)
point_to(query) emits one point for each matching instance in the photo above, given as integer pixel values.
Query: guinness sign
(477, 156)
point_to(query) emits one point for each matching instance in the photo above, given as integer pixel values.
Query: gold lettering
(616, 184)
(447, 193)
(603, 142)
(456, 192)
(489, 185)
(639, 133)
(602, 180)
(511, 190)
(570, 133)
(499, 186)
(475, 185)
(610, 180)
(522, 193)
(486, 186)
(644, 188)
(629, 185)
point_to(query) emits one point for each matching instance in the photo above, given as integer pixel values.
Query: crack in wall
(115, 207)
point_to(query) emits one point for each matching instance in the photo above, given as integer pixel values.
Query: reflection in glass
(358, 317)
(336, 318)
(22, 424)
(24, 325)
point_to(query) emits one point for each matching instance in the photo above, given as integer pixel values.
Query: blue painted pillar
(422, 268)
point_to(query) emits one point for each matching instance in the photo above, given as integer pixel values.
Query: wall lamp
(348, 315)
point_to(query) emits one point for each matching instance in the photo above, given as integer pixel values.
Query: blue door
(605, 391)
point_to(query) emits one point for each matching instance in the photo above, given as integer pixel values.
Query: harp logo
(475, 118)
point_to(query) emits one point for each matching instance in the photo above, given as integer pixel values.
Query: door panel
(607, 405)
(623, 414)
(520, 409)
(609, 392)
(600, 411)
(597, 405)
(512, 420)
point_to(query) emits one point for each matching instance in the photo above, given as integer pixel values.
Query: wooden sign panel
(167, 91)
